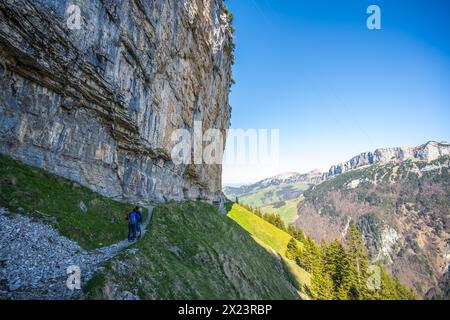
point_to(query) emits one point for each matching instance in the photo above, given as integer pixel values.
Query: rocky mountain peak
(427, 152)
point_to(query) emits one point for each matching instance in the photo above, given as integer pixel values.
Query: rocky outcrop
(427, 152)
(442, 290)
(98, 102)
(312, 177)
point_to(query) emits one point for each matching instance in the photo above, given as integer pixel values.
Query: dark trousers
(131, 231)
(138, 230)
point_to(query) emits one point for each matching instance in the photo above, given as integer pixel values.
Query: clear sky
(333, 87)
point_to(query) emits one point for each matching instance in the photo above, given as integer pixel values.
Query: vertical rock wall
(98, 104)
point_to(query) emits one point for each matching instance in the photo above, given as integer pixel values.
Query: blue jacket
(132, 217)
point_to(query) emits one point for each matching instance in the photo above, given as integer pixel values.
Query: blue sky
(335, 88)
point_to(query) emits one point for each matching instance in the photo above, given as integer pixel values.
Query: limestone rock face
(97, 99)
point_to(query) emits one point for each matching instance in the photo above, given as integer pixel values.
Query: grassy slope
(272, 237)
(217, 259)
(193, 252)
(261, 229)
(267, 198)
(56, 200)
(271, 194)
(287, 212)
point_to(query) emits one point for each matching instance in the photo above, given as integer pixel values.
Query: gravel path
(34, 259)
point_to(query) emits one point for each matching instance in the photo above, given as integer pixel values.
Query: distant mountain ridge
(312, 177)
(429, 151)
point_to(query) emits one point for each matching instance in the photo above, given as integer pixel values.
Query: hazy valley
(397, 197)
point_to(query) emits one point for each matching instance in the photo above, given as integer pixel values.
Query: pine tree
(322, 286)
(296, 233)
(321, 283)
(292, 250)
(342, 293)
(386, 290)
(335, 263)
(403, 292)
(309, 255)
(278, 222)
(300, 235)
(356, 274)
(291, 230)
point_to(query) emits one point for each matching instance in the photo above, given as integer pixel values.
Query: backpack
(133, 217)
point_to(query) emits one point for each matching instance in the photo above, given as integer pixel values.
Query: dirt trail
(34, 259)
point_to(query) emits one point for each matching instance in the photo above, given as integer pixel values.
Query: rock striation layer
(93, 90)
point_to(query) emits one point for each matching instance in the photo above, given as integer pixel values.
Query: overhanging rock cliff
(96, 99)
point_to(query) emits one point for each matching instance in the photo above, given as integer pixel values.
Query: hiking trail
(34, 259)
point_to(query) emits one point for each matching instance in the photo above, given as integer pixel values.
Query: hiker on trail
(139, 222)
(132, 224)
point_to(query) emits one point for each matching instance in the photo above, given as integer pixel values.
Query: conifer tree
(335, 263)
(321, 283)
(309, 255)
(322, 286)
(299, 235)
(342, 293)
(292, 250)
(403, 292)
(356, 275)
(296, 233)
